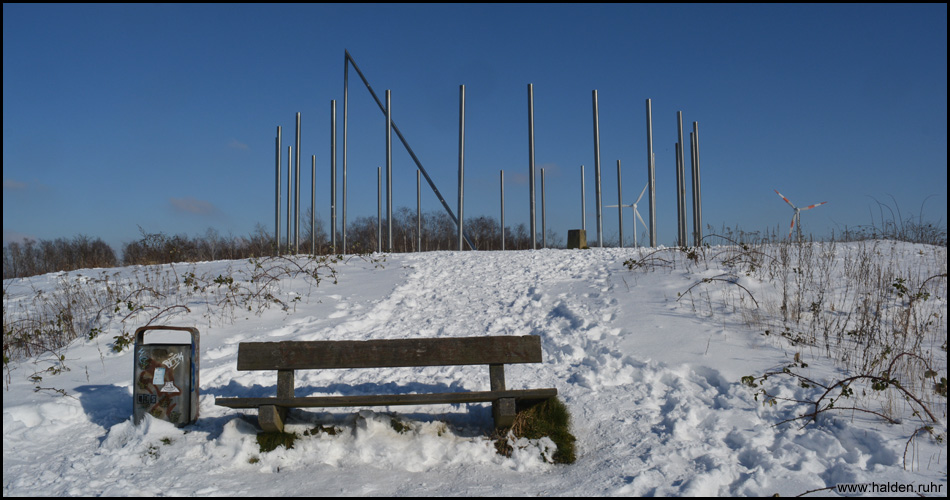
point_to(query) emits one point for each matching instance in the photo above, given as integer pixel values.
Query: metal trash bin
(165, 378)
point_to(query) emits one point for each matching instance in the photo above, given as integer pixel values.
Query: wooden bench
(288, 356)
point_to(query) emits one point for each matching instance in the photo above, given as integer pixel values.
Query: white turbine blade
(815, 205)
(641, 193)
(638, 216)
(790, 228)
(784, 198)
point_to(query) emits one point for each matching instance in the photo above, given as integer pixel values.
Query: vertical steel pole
(600, 222)
(333, 175)
(697, 191)
(313, 205)
(389, 172)
(379, 210)
(544, 231)
(692, 163)
(583, 203)
(650, 173)
(502, 183)
(277, 197)
(290, 177)
(680, 184)
(346, 70)
(461, 163)
(297, 194)
(534, 243)
(418, 210)
(619, 204)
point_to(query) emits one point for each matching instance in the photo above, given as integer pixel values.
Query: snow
(650, 374)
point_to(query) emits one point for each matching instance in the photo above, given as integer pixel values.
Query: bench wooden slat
(292, 355)
(389, 399)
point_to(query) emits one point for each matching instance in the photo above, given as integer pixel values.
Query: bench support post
(502, 410)
(270, 417)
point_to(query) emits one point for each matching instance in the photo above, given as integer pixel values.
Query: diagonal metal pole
(412, 154)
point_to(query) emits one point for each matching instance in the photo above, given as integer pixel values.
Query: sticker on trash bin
(170, 387)
(158, 378)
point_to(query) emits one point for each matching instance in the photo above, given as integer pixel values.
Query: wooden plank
(271, 418)
(292, 355)
(388, 399)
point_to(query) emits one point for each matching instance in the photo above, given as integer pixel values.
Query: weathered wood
(285, 357)
(390, 399)
(291, 355)
(503, 411)
(285, 383)
(496, 374)
(271, 418)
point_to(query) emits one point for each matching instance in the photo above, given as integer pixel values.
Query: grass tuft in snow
(269, 441)
(549, 419)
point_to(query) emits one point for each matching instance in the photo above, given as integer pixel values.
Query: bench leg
(271, 418)
(503, 411)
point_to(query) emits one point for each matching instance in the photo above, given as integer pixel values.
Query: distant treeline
(31, 257)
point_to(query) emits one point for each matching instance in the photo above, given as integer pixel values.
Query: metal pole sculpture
(680, 185)
(461, 163)
(379, 210)
(697, 190)
(583, 203)
(620, 204)
(600, 222)
(277, 197)
(650, 174)
(534, 243)
(297, 194)
(544, 232)
(349, 60)
(346, 68)
(418, 211)
(313, 205)
(290, 177)
(502, 183)
(333, 176)
(389, 172)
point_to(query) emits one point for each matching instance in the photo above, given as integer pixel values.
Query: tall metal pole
(389, 172)
(544, 236)
(697, 189)
(313, 205)
(600, 222)
(650, 174)
(379, 210)
(461, 163)
(346, 69)
(333, 175)
(534, 241)
(692, 163)
(619, 204)
(418, 211)
(583, 202)
(680, 184)
(277, 197)
(297, 194)
(502, 183)
(290, 183)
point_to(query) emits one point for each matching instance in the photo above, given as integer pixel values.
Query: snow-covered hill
(650, 372)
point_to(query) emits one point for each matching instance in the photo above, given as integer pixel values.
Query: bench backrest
(323, 354)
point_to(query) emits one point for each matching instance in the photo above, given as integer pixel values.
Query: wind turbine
(797, 215)
(636, 214)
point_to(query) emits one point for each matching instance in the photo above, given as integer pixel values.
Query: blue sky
(163, 117)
